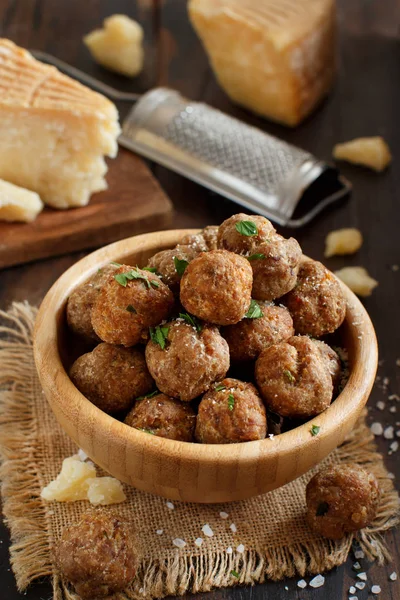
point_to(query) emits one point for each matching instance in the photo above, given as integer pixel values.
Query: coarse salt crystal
(394, 397)
(229, 550)
(380, 405)
(376, 589)
(318, 581)
(223, 515)
(391, 476)
(160, 531)
(392, 409)
(388, 434)
(393, 576)
(360, 585)
(353, 597)
(362, 576)
(170, 505)
(377, 428)
(198, 541)
(82, 455)
(302, 584)
(359, 554)
(271, 436)
(206, 529)
(394, 446)
(352, 590)
(240, 548)
(179, 543)
(233, 527)
(385, 381)
(356, 566)
(286, 588)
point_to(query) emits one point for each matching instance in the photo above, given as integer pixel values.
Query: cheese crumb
(394, 446)
(318, 581)
(343, 241)
(72, 482)
(223, 515)
(118, 46)
(170, 505)
(206, 529)
(360, 585)
(179, 543)
(240, 548)
(104, 491)
(18, 204)
(233, 527)
(376, 589)
(159, 531)
(352, 590)
(302, 584)
(229, 550)
(376, 428)
(362, 576)
(372, 152)
(358, 280)
(380, 405)
(393, 576)
(388, 434)
(198, 542)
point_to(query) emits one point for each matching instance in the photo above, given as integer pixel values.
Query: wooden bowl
(181, 470)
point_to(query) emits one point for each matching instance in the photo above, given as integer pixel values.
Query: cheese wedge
(275, 57)
(54, 132)
(18, 204)
(118, 46)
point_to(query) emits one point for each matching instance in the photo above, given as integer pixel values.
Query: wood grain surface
(133, 203)
(365, 101)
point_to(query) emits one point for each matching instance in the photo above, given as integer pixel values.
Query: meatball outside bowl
(187, 471)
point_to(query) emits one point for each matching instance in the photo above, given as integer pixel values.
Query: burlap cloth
(277, 542)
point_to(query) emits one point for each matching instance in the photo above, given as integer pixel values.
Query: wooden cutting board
(133, 203)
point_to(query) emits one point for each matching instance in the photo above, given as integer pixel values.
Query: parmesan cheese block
(118, 46)
(275, 57)
(54, 132)
(18, 204)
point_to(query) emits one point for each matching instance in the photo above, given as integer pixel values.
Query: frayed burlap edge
(27, 518)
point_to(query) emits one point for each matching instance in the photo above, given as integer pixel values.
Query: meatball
(164, 263)
(317, 303)
(294, 378)
(186, 359)
(275, 267)
(204, 240)
(112, 376)
(244, 233)
(333, 362)
(249, 337)
(128, 304)
(341, 499)
(216, 287)
(163, 416)
(231, 412)
(97, 554)
(210, 235)
(80, 304)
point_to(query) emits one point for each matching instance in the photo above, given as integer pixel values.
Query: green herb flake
(155, 283)
(191, 321)
(315, 430)
(322, 509)
(220, 388)
(247, 228)
(159, 335)
(180, 265)
(289, 376)
(235, 574)
(150, 269)
(231, 401)
(151, 395)
(254, 311)
(115, 264)
(145, 430)
(131, 309)
(257, 256)
(121, 279)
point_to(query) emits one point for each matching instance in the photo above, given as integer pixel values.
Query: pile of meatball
(214, 341)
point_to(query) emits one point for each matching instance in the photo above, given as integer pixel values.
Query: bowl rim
(53, 375)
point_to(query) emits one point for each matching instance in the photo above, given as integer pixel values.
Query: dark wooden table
(365, 101)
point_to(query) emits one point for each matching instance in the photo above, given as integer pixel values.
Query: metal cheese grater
(257, 170)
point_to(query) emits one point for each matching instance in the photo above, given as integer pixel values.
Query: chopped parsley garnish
(146, 430)
(247, 228)
(191, 321)
(151, 395)
(235, 574)
(115, 264)
(220, 388)
(257, 256)
(131, 308)
(180, 265)
(123, 278)
(254, 311)
(151, 269)
(315, 429)
(99, 271)
(289, 375)
(322, 509)
(231, 401)
(159, 335)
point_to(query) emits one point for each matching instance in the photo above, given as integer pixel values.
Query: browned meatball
(275, 267)
(231, 412)
(80, 304)
(165, 264)
(244, 233)
(163, 416)
(317, 303)
(333, 362)
(112, 376)
(249, 337)
(204, 240)
(341, 499)
(97, 554)
(294, 378)
(210, 235)
(190, 359)
(128, 304)
(216, 287)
